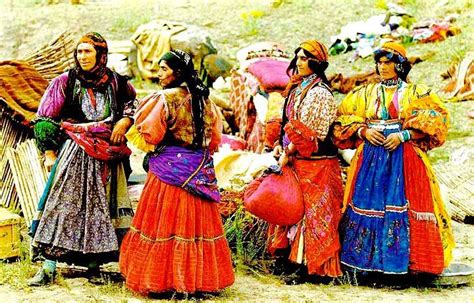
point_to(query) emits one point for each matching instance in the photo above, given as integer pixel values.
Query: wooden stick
(18, 185)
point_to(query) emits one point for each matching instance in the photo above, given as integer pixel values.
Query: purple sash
(192, 170)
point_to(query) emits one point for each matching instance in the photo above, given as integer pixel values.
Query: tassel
(423, 216)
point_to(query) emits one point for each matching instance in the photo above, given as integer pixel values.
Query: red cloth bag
(276, 198)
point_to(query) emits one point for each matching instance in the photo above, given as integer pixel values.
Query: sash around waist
(192, 170)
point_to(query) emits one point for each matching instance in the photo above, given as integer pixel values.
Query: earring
(399, 67)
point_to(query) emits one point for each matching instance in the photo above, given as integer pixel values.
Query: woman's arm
(151, 117)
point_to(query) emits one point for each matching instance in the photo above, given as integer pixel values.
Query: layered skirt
(176, 243)
(74, 222)
(395, 220)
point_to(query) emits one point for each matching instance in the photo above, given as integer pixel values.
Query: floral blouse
(311, 111)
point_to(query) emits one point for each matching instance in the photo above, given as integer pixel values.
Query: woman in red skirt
(176, 242)
(305, 140)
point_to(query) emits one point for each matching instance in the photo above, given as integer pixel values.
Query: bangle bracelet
(361, 132)
(400, 136)
(406, 135)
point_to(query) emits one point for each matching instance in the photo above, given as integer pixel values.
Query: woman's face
(165, 74)
(86, 55)
(302, 64)
(386, 68)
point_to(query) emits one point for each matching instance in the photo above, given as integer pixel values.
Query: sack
(276, 197)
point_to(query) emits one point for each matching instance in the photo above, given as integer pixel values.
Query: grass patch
(16, 274)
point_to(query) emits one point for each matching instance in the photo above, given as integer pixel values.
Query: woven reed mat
(458, 182)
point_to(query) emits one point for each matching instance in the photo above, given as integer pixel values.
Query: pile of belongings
(433, 30)
(235, 169)
(461, 80)
(152, 40)
(361, 35)
(396, 24)
(256, 89)
(346, 83)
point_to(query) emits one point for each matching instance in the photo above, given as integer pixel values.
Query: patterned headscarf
(99, 74)
(182, 63)
(320, 53)
(316, 48)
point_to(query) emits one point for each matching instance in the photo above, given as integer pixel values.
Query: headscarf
(317, 49)
(320, 53)
(182, 65)
(394, 47)
(98, 76)
(181, 62)
(393, 51)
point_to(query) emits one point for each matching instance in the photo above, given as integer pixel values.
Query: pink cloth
(94, 139)
(234, 142)
(270, 73)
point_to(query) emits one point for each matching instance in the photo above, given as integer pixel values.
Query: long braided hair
(182, 65)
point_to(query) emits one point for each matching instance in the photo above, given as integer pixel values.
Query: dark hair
(183, 69)
(318, 67)
(402, 65)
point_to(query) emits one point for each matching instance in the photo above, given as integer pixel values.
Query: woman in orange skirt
(176, 241)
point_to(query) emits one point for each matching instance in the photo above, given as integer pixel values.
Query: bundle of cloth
(235, 169)
(397, 24)
(362, 36)
(435, 30)
(157, 37)
(256, 89)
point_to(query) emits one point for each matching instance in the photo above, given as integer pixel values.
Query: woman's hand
(277, 151)
(120, 128)
(374, 137)
(283, 161)
(49, 159)
(392, 142)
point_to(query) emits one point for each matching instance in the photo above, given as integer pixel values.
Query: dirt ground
(254, 286)
(27, 24)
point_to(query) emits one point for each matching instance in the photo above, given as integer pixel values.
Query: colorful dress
(394, 218)
(177, 241)
(311, 110)
(84, 210)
